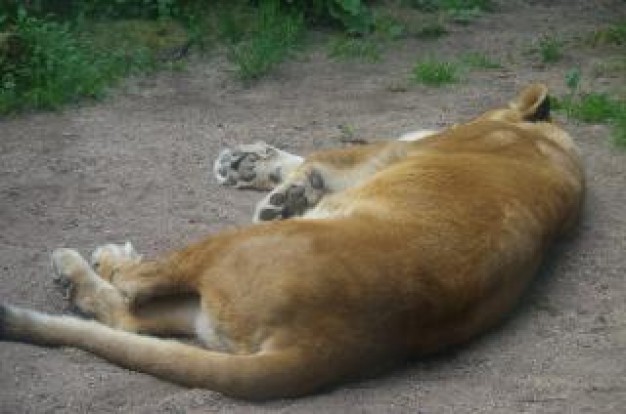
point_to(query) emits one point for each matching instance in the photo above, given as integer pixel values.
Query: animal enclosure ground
(138, 167)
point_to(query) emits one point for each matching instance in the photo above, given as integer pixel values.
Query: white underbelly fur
(208, 334)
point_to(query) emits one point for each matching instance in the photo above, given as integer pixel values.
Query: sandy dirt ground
(137, 167)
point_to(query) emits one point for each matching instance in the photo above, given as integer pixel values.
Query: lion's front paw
(258, 166)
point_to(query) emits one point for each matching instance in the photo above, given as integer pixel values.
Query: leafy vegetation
(277, 34)
(461, 12)
(435, 73)
(353, 15)
(451, 5)
(57, 52)
(610, 35)
(599, 108)
(51, 54)
(593, 107)
(476, 60)
(550, 49)
(43, 65)
(354, 48)
(388, 28)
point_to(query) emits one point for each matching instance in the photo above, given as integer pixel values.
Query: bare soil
(137, 167)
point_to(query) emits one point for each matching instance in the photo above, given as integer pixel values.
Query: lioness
(388, 250)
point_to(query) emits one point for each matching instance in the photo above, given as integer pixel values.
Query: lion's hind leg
(94, 296)
(89, 294)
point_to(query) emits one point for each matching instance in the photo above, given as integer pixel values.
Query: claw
(64, 285)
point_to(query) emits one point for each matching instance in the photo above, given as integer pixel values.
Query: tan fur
(421, 246)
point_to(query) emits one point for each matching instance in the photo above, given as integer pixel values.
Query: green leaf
(572, 79)
(351, 6)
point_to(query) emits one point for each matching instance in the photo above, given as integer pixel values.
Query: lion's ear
(533, 103)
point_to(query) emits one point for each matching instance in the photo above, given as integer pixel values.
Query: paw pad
(247, 166)
(292, 199)
(257, 166)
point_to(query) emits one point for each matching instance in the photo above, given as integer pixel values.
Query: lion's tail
(266, 374)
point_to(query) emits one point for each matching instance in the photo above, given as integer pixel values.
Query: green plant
(388, 28)
(550, 49)
(600, 108)
(353, 15)
(354, 48)
(227, 27)
(45, 65)
(458, 11)
(451, 5)
(614, 34)
(102, 9)
(423, 5)
(483, 5)
(479, 61)
(277, 35)
(572, 80)
(130, 35)
(593, 107)
(435, 73)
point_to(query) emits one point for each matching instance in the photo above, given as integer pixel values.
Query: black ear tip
(542, 112)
